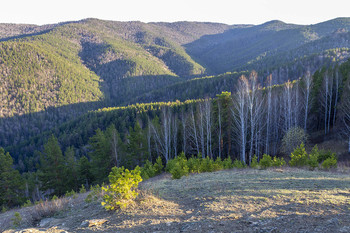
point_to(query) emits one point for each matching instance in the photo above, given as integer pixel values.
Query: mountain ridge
(96, 63)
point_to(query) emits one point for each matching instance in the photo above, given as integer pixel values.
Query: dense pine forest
(79, 98)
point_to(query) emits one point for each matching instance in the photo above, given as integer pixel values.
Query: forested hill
(52, 74)
(103, 55)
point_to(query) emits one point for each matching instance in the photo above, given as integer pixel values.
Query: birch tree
(162, 133)
(307, 91)
(345, 113)
(194, 134)
(287, 95)
(330, 97)
(255, 106)
(269, 93)
(207, 110)
(346, 121)
(240, 114)
(220, 133)
(336, 94)
(184, 131)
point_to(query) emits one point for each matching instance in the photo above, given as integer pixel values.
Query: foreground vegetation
(241, 199)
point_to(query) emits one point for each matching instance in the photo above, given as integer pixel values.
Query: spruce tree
(71, 169)
(52, 171)
(137, 146)
(84, 171)
(100, 156)
(11, 182)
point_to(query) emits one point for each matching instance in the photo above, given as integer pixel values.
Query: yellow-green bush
(330, 163)
(227, 163)
(179, 171)
(278, 162)
(313, 158)
(324, 155)
(218, 164)
(194, 164)
(238, 164)
(16, 220)
(122, 187)
(265, 161)
(158, 166)
(27, 204)
(147, 171)
(178, 166)
(82, 189)
(207, 165)
(299, 157)
(254, 163)
(94, 195)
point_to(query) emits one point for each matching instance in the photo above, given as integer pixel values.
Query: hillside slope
(51, 74)
(248, 200)
(234, 48)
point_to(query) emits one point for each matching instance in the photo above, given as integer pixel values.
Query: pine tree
(84, 171)
(52, 175)
(11, 183)
(71, 169)
(137, 146)
(115, 144)
(101, 163)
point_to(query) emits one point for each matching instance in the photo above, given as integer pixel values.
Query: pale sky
(223, 11)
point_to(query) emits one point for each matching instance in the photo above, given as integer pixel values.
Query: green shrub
(238, 164)
(27, 204)
(38, 202)
(292, 139)
(179, 171)
(207, 165)
(330, 163)
(147, 171)
(3, 209)
(323, 155)
(71, 194)
(265, 161)
(16, 220)
(299, 157)
(227, 163)
(54, 198)
(278, 162)
(95, 193)
(313, 158)
(218, 164)
(254, 163)
(178, 166)
(158, 166)
(121, 189)
(82, 189)
(194, 164)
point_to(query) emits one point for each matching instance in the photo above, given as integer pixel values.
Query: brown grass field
(237, 200)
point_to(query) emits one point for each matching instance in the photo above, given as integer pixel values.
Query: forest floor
(237, 200)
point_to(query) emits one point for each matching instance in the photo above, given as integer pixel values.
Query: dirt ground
(247, 200)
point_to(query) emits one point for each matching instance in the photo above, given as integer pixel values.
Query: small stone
(45, 222)
(96, 222)
(334, 222)
(85, 223)
(345, 229)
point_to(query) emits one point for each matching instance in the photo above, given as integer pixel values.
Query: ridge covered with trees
(63, 88)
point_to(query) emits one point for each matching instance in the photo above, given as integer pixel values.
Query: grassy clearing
(239, 200)
(261, 193)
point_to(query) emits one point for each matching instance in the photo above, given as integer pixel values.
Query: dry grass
(240, 200)
(33, 214)
(261, 193)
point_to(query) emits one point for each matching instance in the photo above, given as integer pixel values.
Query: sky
(222, 11)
